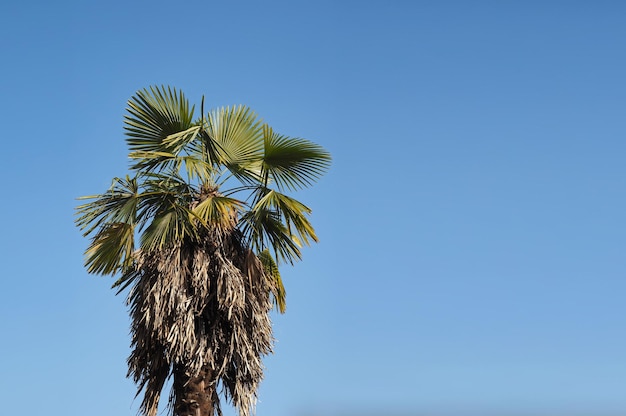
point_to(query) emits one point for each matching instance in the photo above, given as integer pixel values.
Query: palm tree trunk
(194, 395)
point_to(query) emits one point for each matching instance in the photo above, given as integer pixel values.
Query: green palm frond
(169, 227)
(153, 160)
(158, 120)
(195, 168)
(279, 222)
(178, 141)
(264, 229)
(293, 213)
(111, 249)
(218, 211)
(111, 218)
(271, 270)
(235, 136)
(165, 204)
(162, 190)
(292, 163)
(168, 156)
(119, 204)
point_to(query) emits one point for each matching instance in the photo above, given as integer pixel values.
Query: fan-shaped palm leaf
(292, 163)
(111, 249)
(119, 204)
(234, 134)
(158, 120)
(171, 148)
(111, 218)
(292, 212)
(168, 227)
(264, 228)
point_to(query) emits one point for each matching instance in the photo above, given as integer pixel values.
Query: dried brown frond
(200, 308)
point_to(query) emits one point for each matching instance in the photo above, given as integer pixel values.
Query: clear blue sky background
(473, 246)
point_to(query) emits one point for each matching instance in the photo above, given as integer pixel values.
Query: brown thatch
(200, 313)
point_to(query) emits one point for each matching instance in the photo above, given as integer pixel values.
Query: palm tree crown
(196, 232)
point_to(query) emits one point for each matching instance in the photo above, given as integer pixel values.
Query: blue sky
(472, 250)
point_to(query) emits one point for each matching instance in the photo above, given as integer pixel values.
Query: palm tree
(196, 233)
